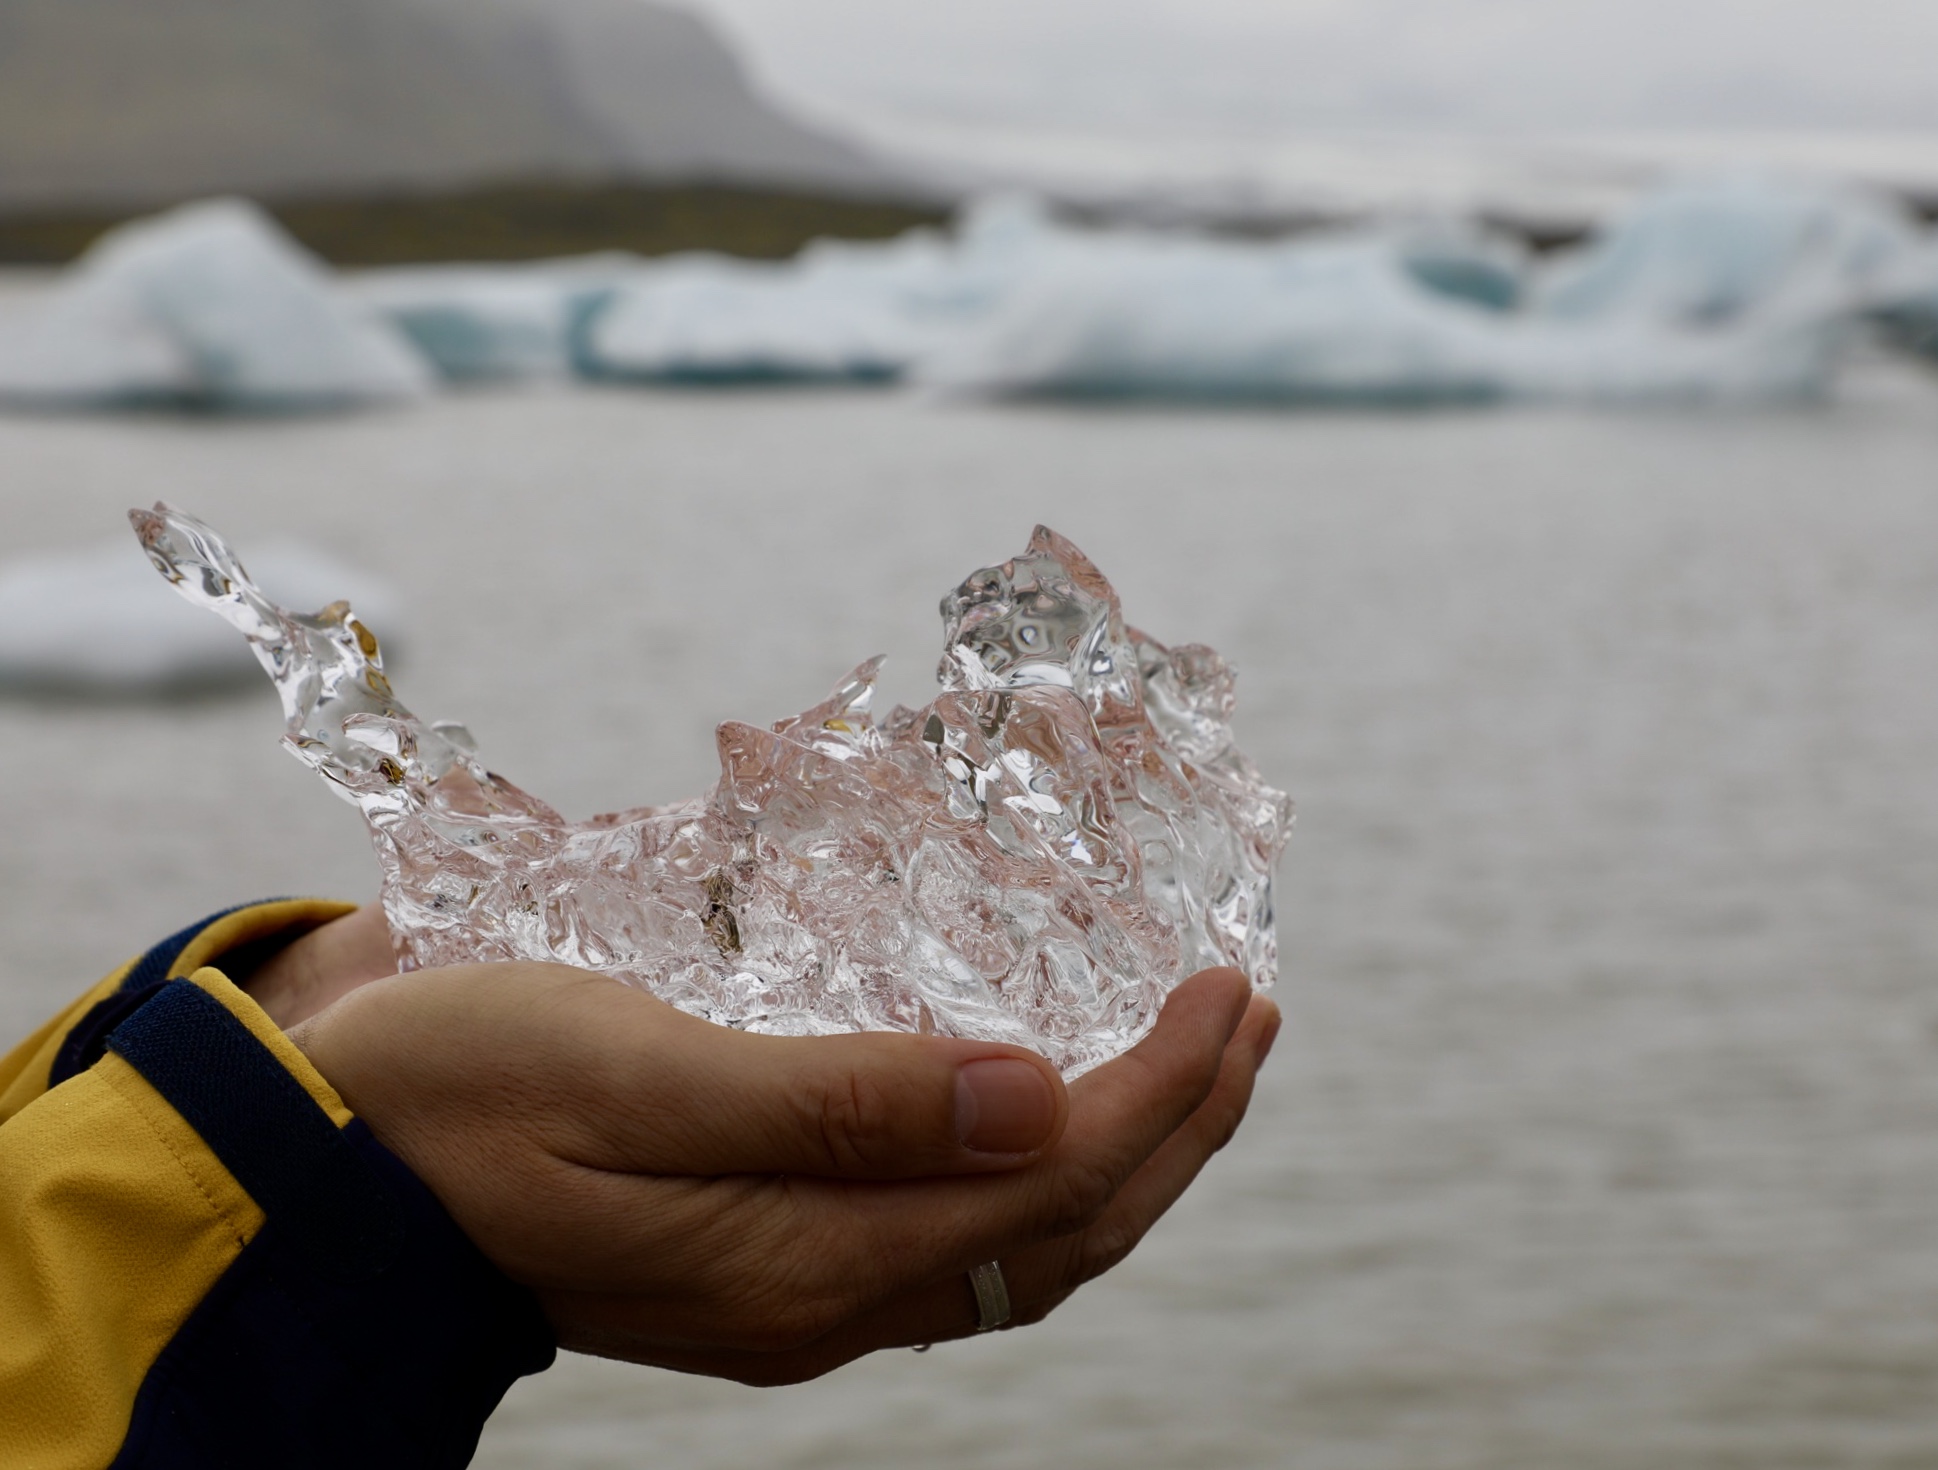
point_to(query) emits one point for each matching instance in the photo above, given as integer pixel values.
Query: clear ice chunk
(1037, 856)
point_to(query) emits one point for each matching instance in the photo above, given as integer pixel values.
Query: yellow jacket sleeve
(206, 1261)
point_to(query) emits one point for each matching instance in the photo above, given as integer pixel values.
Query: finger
(861, 1244)
(1119, 1115)
(1042, 1276)
(1058, 1268)
(870, 1106)
(1039, 1278)
(804, 1254)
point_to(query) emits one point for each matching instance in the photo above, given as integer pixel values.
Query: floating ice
(874, 312)
(1708, 253)
(1733, 289)
(1186, 317)
(837, 312)
(1727, 289)
(1905, 312)
(708, 319)
(1036, 857)
(85, 621)
(1340, 319)
(483, 323)
(1910, 322)
(1453, 259)
(207, 306)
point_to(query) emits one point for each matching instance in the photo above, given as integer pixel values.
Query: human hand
(765, 1208)
(319, 968)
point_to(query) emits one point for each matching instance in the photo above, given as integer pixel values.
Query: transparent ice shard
(1037, 856)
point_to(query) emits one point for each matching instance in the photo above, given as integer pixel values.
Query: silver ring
(992, 1296)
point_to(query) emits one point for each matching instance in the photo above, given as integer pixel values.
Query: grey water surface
(1604, 1130)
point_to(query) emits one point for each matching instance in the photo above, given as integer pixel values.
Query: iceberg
(1461, 261)
(1910, 324)
(877, 312)
(1703, 253)
(86, 621)
(1905, 313)
(1739, 289)
(1341, 319)
(477, 323)
(1729, 290)
(208, 306)
(840, 311)
(837, 312)
(1182, 317)
(708, 319)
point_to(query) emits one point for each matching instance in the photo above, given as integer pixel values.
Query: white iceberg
(1709, 252)
(874, 312)
(1180, 317)
(840, 311)
(90, 622)
(708, 319)
(837, 312)
(207, 306)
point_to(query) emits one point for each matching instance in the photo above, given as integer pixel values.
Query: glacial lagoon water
(1604, 1130)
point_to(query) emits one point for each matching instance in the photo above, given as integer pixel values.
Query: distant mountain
(136, 101)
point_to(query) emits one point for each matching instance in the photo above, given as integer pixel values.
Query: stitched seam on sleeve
(141, 1105)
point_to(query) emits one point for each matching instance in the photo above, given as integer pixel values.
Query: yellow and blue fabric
(206, 1261)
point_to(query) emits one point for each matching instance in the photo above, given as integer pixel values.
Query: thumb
(877, 1105)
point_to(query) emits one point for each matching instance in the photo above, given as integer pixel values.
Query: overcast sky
(1511, 66)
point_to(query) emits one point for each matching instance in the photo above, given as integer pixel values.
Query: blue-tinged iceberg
(1455, 259)
(207, 306)
(87, 621)
(483, 323)
(1905, 315)
(1910, 323)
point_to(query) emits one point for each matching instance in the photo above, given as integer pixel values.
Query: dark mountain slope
(130, 101)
